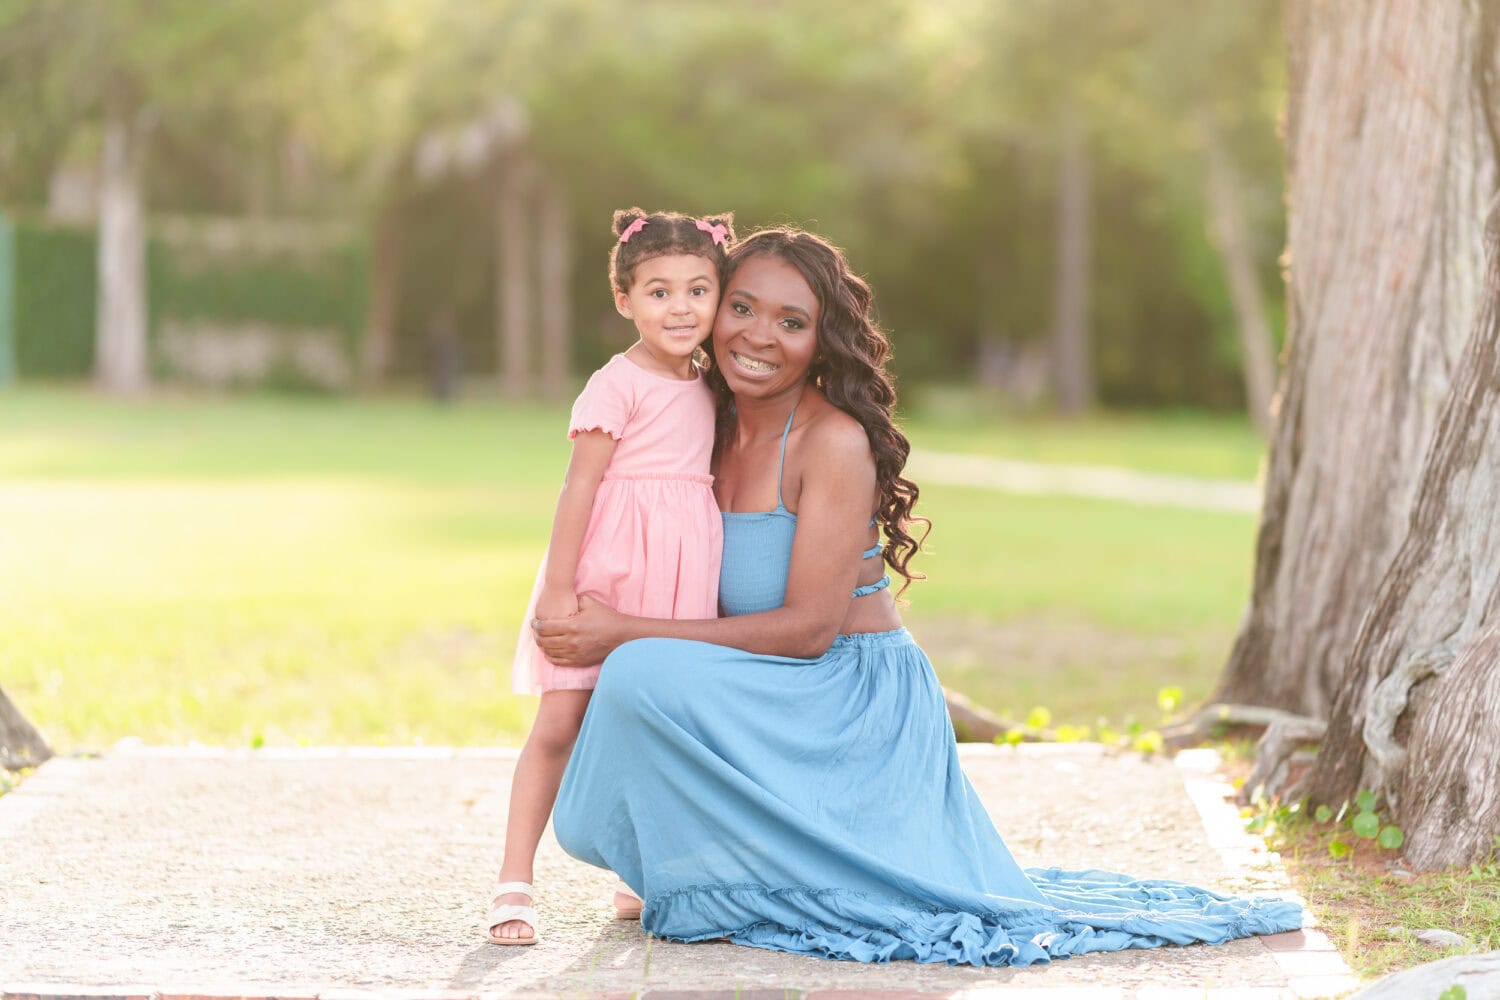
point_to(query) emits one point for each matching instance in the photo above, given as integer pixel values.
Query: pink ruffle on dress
(654, 537)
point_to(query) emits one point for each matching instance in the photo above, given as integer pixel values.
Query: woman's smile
(753, 366)
(765, 333)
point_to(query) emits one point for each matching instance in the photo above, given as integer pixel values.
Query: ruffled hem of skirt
(863, 927)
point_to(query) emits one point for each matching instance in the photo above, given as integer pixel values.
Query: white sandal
(503, 912)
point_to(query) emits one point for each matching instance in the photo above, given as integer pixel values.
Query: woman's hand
(582, 639)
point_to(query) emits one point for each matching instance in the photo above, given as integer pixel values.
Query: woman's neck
(758, 418)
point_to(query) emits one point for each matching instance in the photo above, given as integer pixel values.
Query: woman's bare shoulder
(835, 436)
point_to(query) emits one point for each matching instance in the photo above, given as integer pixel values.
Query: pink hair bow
(632, 229)
(718, 230)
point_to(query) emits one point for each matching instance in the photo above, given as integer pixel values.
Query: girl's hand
(582, 639)
(556, 602)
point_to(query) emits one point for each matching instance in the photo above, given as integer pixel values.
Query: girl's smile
(672, 302)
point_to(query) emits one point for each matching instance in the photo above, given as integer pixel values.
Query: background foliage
(923, 137)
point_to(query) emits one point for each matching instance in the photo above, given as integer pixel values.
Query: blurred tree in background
(122, 77)
(1074, 202)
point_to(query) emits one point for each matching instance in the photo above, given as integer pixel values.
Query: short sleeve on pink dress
(654, 538)
(605, 404)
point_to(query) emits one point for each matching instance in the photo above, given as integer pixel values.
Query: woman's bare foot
(627, 905)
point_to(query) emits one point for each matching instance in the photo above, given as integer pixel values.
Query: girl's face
(672, 303)
(766, 332)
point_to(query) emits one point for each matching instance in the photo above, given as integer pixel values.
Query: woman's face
(766, 330)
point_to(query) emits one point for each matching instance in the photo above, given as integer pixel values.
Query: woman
(786, 776)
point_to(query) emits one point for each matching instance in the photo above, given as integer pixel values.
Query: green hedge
(55, 287)
(323, 290)
(55, 292)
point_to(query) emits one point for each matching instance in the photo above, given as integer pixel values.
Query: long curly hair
(849, 369)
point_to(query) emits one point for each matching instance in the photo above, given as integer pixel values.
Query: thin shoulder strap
(781, 462)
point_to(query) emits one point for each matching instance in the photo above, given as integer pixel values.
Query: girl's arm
(832, 524)
(592, 451)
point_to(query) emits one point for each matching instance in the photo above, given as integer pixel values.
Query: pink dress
(654, 537)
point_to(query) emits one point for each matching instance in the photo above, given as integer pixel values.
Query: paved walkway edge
(1309, 959)
(1312, 964)
(78, 992)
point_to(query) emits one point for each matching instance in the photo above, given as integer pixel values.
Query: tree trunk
(513, 233)
(555, 284)
(20, 744)
(1072, 367)
(1257, 356)
(1415, 720)
(1391, 163)
(120, 333)
(378, 352)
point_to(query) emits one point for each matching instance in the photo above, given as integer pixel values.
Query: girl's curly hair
(664, 233)
(849, 369)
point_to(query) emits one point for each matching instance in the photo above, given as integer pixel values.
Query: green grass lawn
(246, 569)
(1174, 443)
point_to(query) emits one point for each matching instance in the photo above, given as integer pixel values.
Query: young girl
(636, 524)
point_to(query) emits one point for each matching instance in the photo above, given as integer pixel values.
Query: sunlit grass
(1372, 909)
(292, 571)
(286, 612)
(963, 419)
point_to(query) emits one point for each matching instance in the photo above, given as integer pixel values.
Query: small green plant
(1454, 992)
(1037, 727)
(1269, 817)
(1168, 699)
(1363, 821)
(1488, 869)
(1038, 718)
(10, 779)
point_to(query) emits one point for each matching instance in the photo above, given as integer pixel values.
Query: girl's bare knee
(558, 720)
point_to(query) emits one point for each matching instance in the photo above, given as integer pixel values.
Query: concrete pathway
(352, 874)
(1095, 482)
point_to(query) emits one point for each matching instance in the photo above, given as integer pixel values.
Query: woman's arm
(592, 451)
(833, 518)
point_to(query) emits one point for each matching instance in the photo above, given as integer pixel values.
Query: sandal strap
(511, 911)
(522, 887)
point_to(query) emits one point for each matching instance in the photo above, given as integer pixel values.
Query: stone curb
(1310, 960)
(75, 991)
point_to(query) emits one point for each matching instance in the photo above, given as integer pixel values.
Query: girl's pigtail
(625, 218)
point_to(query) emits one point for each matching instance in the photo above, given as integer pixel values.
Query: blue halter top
(758, 553)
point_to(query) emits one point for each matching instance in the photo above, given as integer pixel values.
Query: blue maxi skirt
(817, 806)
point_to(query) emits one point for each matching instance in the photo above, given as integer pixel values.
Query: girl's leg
(533, 791)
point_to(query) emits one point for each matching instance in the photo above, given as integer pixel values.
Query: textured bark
(1257, 355)
(20, 744)
(1449, 798)
(555, 281)
(1415, 721)
(1391, 164)
(1072, 364)
(973, 723)
(513, 232)
(120, 361)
